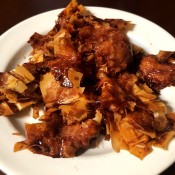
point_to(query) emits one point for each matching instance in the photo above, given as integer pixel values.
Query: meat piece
(110, 46)
(51, 140)
(156, 74)
(105, 40)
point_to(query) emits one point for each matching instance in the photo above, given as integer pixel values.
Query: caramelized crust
(157, 75)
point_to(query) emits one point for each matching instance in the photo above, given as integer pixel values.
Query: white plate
(101, 160)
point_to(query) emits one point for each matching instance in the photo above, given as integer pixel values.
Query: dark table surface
(160, 12)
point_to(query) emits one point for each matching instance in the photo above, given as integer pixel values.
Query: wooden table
(160, 12)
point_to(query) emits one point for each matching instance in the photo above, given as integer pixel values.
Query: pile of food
(91, 81)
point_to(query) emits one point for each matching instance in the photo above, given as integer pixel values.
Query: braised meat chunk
(110, 47)
(156, 73)
(66, 141)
